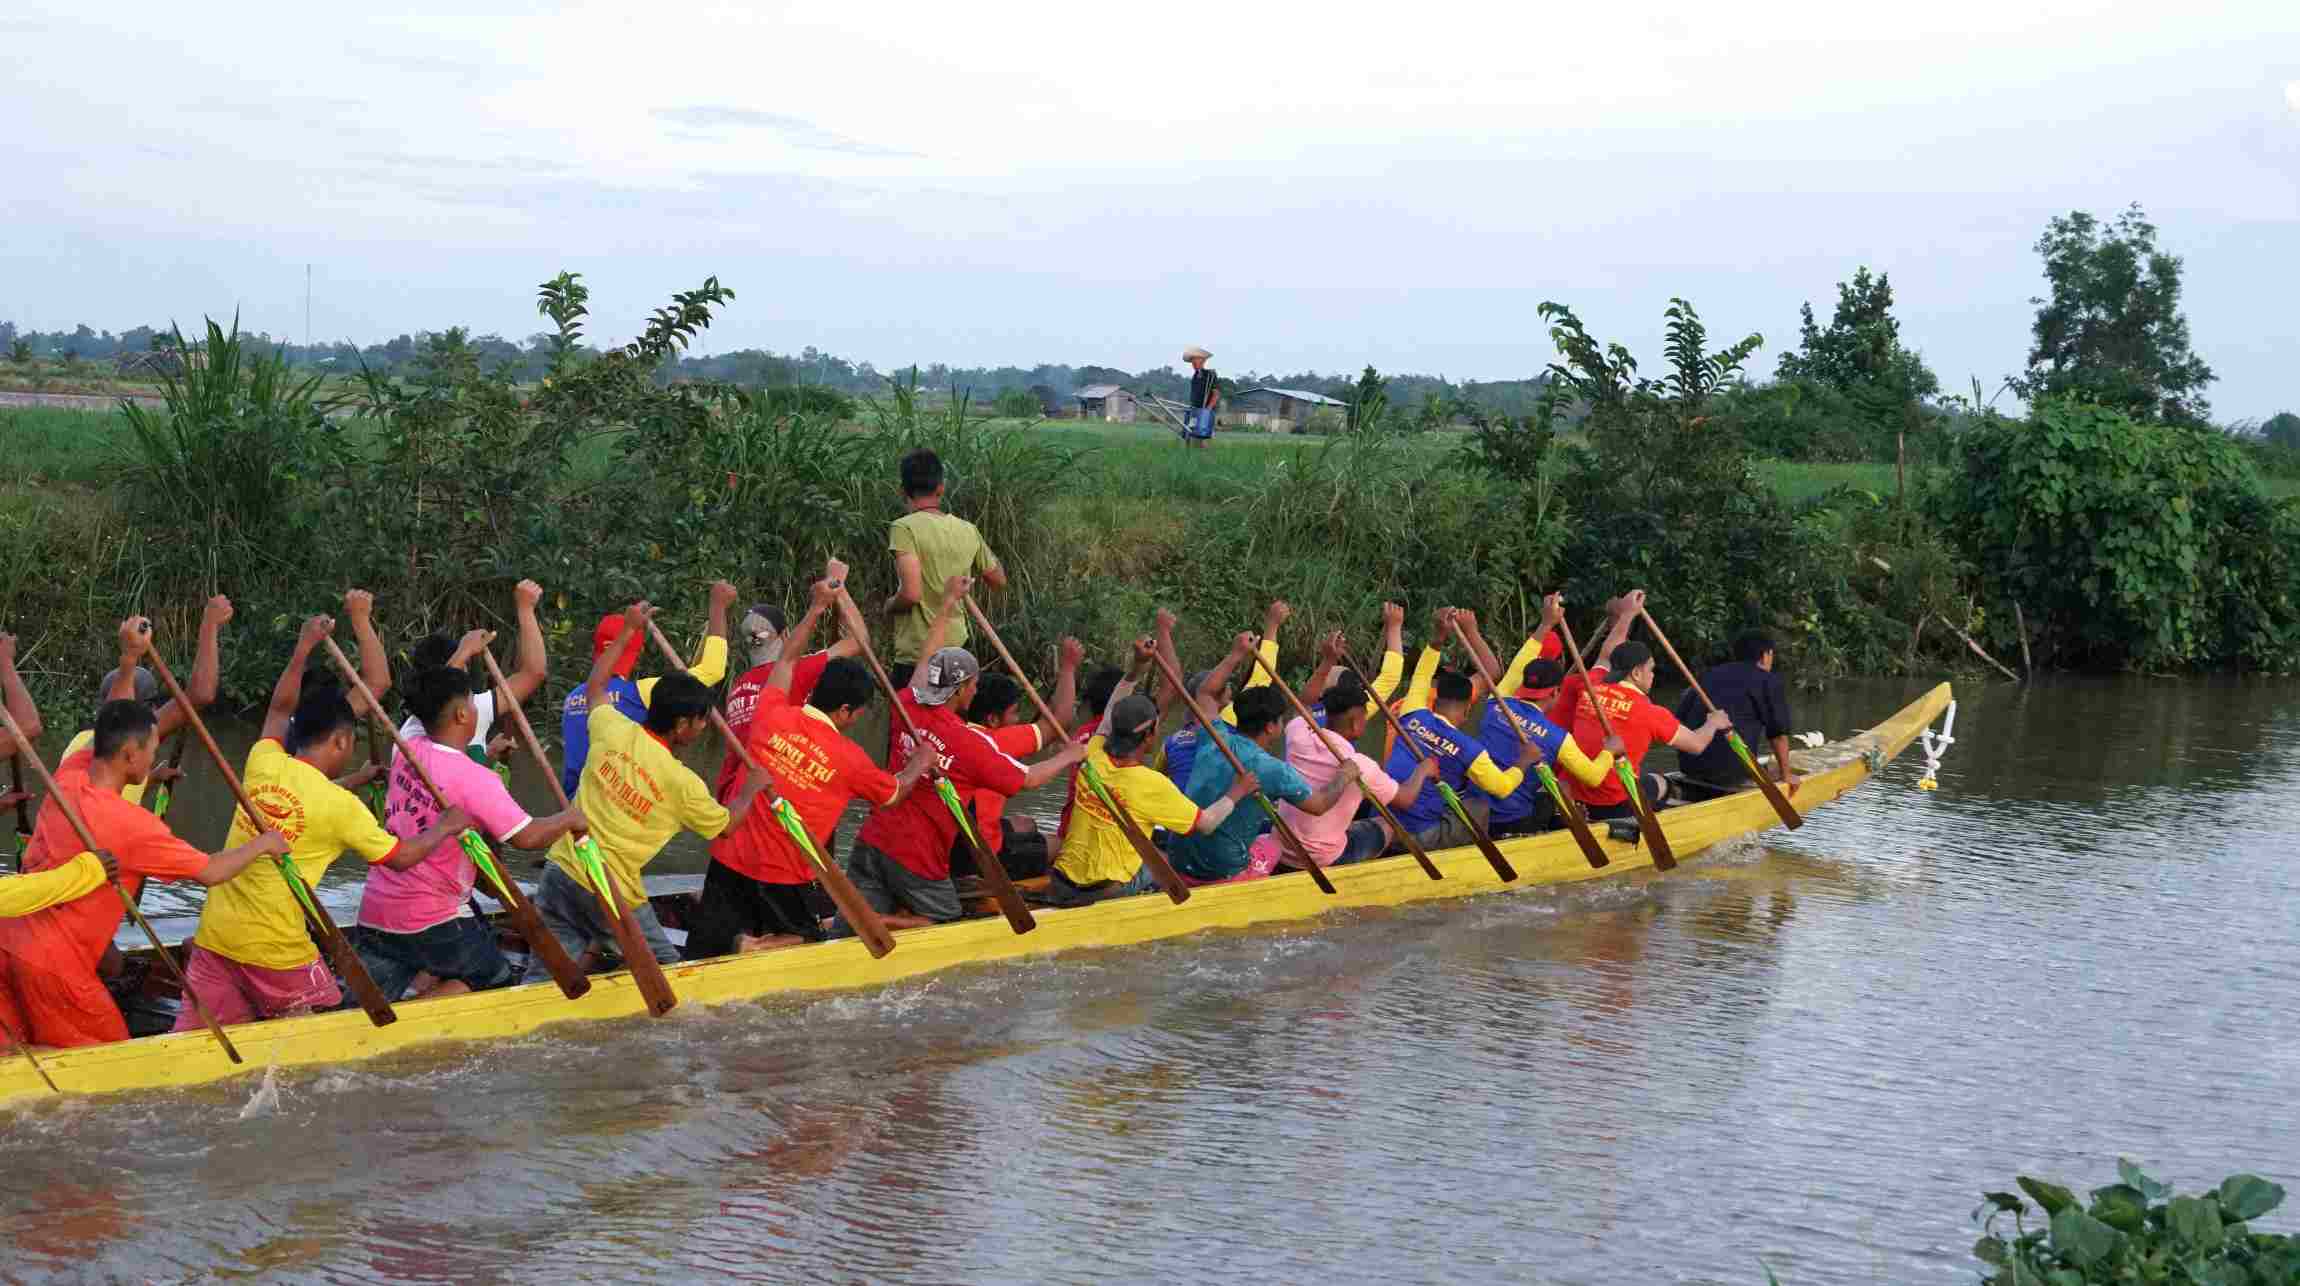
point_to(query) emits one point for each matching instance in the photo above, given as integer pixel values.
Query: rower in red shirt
(1621, 679)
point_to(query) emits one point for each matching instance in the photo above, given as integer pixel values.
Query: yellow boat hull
(191, 1058)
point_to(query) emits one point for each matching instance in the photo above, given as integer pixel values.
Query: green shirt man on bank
(929, 548)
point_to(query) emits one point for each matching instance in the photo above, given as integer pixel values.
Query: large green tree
(1861, 348)
(2111, 333)
(2283, 429)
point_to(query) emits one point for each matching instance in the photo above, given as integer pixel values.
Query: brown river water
(1809, 1054)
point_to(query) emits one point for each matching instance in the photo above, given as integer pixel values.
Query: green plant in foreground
(2137, 1231)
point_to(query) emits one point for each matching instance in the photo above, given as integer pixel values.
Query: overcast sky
(1291, 185)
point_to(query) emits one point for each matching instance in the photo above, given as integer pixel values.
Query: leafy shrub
(2137, 1231)
(1016, 404)
(2147, 546)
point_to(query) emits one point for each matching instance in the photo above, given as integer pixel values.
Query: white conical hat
(1194, 351)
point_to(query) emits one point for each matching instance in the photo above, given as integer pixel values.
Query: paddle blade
(1573, 819)
(1484, 842)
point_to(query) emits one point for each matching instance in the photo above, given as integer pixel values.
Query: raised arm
(635, 618)
(374, 662)
(135, 640)
(1426, 665)
(1209, 693)
(1067, 659)
(1272, 621)
(1625, 610)
(20, 707)
(1167, 698)
(1513, 678)
(1483, 655)
(533, 665)
(938, 631)
(289, 690)
(1393, 663)
(1329, 660)
(824, 599)
(207, 665)
(711, 666)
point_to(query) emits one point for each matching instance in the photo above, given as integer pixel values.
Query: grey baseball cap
(946, 672)
(1132, 721)
(148, 689)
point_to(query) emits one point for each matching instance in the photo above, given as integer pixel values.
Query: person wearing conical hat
(1205, 395)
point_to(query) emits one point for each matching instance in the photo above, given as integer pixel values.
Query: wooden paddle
(23, 806)
(1765, 785)
(1160, 869)
(1397, 827)
(844, 895)
(339, 950)
(1566, 808)
(1286, 835)
(1484, 842)
(164, 795)
(88, 842)
(519, 909)
(1648, 826)
(24, 1047)
(631, 940)
(992, 868)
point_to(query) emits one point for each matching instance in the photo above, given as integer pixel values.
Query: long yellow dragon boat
(192, 1058)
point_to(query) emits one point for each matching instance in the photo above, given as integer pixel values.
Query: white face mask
(766, 642)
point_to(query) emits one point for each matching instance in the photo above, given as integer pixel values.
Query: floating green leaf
(2129, 1170)
(2248, 1196)
(2083, 1238)
(2053, 1197)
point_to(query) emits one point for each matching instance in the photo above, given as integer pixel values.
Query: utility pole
(307, 312)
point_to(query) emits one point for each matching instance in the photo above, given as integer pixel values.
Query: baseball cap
(1195, 681)
(148, 687)
(762, 631)
(946, 672)
(1132, 721)
(609, 630)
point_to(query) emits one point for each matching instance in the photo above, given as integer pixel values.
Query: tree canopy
(2111, 333)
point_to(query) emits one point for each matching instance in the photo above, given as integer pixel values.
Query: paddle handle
(1285, 830)
(1675, 659)
(88, 841)
(991, 867)
(16, 783)
(843, 893)
(1413, 845)
(1160, 869)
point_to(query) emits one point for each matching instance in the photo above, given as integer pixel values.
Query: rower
(1622, 678)
(419, 921)
(530, 666)
(754, 892)
(1337, 837)
(1380, 685)
(1213, 689)
(1438, 705)
(23, 894)
(1098, 860)
(1747, 689)
(632, 698)
(900, 860)
(49, 989)
(997, 712)
(635, 794)
(252, 958)
(1255, 732)
(1529, 809)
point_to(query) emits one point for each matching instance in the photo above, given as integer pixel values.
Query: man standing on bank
(1205, 395)
(930, 547)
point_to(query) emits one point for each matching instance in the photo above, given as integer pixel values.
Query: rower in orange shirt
(1621, 679)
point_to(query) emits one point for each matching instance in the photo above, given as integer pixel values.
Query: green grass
(59, 444)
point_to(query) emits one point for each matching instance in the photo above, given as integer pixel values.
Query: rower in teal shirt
(1220, 854)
